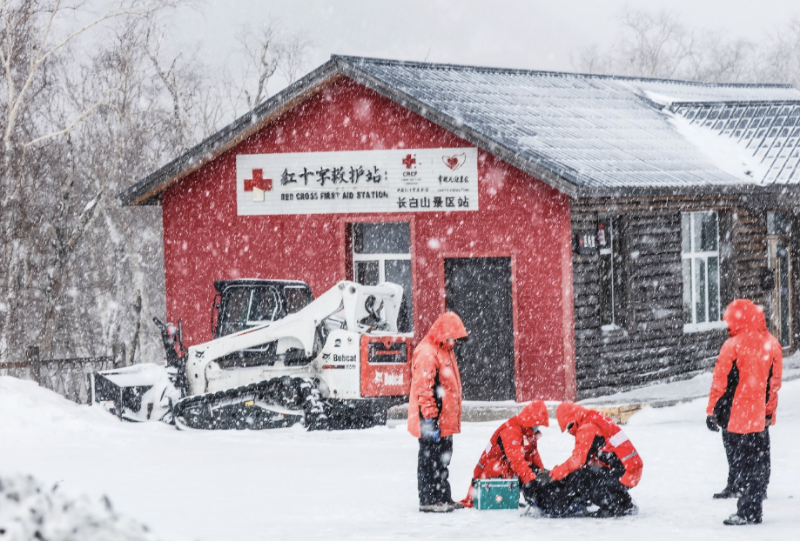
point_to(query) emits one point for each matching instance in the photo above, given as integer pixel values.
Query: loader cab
(245, 303)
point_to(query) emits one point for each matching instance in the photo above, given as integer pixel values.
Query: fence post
(34, 362)
(118, 353)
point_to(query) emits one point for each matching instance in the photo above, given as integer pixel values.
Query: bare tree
(780, 61)
(46, 207)
(180, 77)
(262, 55)
(292, 56)
(658, 44)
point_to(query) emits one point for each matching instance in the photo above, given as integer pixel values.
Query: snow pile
(155, 402)
(29, 510)
(26, 406)
(722, 151)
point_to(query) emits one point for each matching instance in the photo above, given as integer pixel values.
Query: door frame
(515, 323)
(772, 242)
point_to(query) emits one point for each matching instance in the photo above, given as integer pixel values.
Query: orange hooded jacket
(586, 425)
(512, 448)
(758, 357)
(434, 365)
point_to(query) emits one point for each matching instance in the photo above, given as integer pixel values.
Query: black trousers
(726, 441)
(751, 467)
(590, 485)
(432, 475)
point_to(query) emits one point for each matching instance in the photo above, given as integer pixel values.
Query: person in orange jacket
(512, 451)
(743, 400)
(603, 466)
(434, 410)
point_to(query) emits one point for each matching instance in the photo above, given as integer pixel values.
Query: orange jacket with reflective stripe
(586, 425)
(435, 381)
(758, 356)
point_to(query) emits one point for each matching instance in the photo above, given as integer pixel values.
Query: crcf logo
(410, 161)
(258, 184)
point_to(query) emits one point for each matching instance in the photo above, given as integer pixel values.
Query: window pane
(382, 238)
(686, 232)
(263, 305)
(713, 289)
(297, 298)
(367, 273)
(700, 295)
(234, 312)
(778, 223)
(687, 290)
(398, 271)
(708, 231)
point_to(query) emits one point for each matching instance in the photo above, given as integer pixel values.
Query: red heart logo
(454, 162)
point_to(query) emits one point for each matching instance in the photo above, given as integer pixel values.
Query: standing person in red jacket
(603, 466)
(743, 399)
(434, 410)
(512, 451)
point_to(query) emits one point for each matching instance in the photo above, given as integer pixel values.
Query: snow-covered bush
(31, 511)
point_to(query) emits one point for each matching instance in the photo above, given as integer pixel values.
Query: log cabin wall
(651, 345)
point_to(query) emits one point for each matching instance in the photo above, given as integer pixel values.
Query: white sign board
(404, 180)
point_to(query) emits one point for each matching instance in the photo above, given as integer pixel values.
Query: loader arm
(347, 305)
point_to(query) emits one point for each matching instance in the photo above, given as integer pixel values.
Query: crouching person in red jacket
(512, 451)
(603, 466)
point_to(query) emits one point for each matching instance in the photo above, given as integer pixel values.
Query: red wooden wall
(519, 217)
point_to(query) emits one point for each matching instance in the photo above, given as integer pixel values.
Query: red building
(489, 192)
(505, 267)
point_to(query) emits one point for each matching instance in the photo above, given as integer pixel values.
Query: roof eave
(709, 189)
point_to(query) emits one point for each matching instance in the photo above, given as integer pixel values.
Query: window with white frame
(382, 253)
(700, 258)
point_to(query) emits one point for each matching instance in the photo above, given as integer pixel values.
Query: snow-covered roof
(580, 133)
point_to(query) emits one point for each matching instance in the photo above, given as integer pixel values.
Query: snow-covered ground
(289, 484)
(683, 389)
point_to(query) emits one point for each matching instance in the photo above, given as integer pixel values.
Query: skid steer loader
(335, 362)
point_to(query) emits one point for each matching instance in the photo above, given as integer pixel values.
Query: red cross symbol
(258, 181)
(408, 161)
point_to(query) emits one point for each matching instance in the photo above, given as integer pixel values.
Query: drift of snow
(724, 152)
(292, 484)
(29, 510)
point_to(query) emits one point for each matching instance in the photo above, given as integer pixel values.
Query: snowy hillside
(289, 484)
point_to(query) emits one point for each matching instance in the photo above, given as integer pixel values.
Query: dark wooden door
(479, 290)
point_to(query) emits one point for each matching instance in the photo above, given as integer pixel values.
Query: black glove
(429, 430)
(529, 492)
(767, 421)
(543, 477)
(712, 424)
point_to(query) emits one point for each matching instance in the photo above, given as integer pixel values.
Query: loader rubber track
(274, 403)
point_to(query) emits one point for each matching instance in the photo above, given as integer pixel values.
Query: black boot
(738, 520)
(727, 493)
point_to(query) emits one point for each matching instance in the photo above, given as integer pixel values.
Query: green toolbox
(495, 493)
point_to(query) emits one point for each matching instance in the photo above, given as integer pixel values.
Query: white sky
(534, 34)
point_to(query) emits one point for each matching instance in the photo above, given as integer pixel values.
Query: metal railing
(68, 377)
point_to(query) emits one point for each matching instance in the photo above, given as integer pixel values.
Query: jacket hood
(743, 315)
(569, 412)
(534, 414)
(446, 326)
